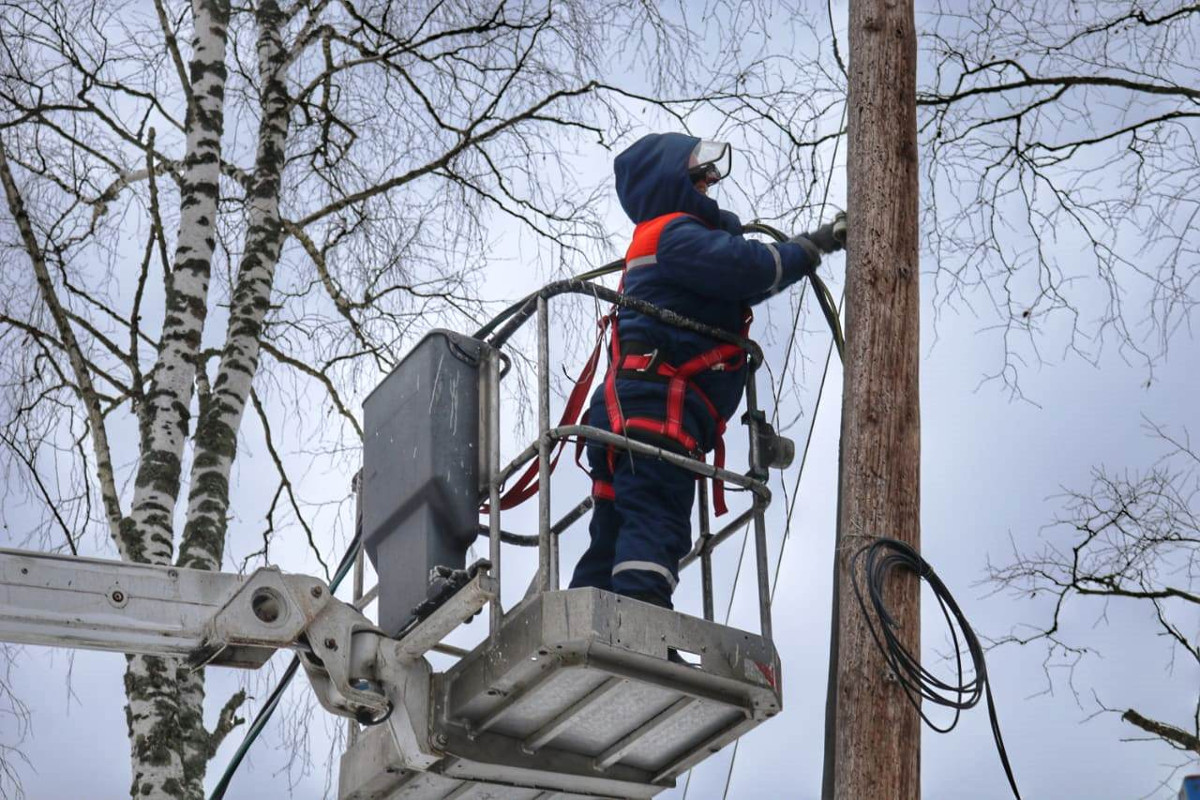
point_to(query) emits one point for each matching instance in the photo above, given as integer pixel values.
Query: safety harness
(637, 361)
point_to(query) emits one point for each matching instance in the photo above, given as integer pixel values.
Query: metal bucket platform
(572, 695)
(575, 697)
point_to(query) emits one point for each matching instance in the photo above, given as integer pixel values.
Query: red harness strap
(603, 490)
(642, 252)
(527, 485)
(680, 381)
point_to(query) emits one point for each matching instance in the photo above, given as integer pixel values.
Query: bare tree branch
(1176, 736)
(83, 377)
(1134, 538)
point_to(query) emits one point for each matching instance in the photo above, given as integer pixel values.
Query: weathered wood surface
(876, 731)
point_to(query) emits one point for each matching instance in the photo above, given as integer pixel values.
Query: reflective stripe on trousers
(647, 566)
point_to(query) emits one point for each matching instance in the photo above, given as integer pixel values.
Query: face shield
(710, 161)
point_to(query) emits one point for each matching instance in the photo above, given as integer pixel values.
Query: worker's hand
(830, 237)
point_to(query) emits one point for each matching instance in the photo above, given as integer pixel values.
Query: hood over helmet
(652, 179)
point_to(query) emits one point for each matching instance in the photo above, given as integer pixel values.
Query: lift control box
(421, 469)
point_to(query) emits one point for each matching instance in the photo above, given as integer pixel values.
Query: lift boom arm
(209, 618)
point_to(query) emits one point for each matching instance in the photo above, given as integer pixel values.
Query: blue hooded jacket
(705, 270)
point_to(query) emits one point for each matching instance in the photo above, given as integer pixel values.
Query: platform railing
(547, 577)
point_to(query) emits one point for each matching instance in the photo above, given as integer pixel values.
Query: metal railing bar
(589, 289)
(641, 448)
(739, 522)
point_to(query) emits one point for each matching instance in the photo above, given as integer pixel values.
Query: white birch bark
(215, 440)
(153, 710)
(148, 531)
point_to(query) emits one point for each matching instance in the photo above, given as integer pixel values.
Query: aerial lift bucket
(571, 693)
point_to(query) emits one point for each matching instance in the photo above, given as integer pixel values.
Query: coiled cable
(871, 566)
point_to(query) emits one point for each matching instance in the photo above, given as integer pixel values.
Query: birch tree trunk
(153, 712)
(215, 441)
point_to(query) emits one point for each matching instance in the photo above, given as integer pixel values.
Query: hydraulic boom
(216, 619)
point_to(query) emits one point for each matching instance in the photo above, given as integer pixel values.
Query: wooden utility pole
(875, 732)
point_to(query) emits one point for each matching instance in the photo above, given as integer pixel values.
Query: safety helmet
(710, 161)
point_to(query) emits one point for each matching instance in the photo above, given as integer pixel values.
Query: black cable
(529, 540)
(824, 297)
(572, 286)
(598, 272)
(529, 299)
(877, 560)
(256, 727)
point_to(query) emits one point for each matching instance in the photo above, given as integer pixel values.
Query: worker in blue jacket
(666, 386)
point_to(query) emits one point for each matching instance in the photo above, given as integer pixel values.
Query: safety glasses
(710, 161)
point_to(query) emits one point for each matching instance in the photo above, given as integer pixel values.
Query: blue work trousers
(639, 537)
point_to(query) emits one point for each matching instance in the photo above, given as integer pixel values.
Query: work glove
(830, 237)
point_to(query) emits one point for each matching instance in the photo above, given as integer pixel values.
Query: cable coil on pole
(877, 560)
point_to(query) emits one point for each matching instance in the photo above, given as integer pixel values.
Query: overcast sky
(992, 467)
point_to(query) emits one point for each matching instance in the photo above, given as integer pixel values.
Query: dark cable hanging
(871, 566)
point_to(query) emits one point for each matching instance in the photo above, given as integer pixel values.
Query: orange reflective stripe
(645, 236)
